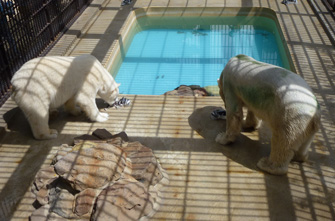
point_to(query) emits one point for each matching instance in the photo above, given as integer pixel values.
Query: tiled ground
(207, 181)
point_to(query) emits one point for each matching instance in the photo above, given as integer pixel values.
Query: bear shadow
(244, 150)
(17, 122)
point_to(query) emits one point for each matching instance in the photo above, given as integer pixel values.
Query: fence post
(45, 4)
(78, 5)
(5, 72)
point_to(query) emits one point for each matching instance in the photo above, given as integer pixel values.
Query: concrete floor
(207, 181)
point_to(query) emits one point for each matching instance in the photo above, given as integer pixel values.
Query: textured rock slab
(44, 177)
(105, 179)
(42, 184)
(117, 142)
(85, 137)
(124, 200)
(192, 90)
(62, 204)
(144, 163)
(43, 213)
(102, 134)
(92, 167)
(42, 196)
(84, 201)
(63, 150)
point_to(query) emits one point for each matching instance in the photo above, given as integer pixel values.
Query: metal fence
(27, 28)
(332, 3)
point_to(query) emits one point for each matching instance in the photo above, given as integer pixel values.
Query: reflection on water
(159, 60)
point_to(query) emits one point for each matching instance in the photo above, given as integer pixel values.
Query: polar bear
(46, 83)
(279, 97)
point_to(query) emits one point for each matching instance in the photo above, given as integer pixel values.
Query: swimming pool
(162, 49)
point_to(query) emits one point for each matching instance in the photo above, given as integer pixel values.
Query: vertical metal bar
(45, 6)
(78, 5)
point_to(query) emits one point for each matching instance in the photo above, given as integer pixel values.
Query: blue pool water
(159, 60)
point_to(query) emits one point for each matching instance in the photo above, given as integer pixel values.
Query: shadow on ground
(245, 151)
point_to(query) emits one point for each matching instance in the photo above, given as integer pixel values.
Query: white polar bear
(46, 83)
(279, 97)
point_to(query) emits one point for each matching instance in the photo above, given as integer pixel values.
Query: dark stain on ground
(240, 172)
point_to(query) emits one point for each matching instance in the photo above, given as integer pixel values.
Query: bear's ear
(103, 89)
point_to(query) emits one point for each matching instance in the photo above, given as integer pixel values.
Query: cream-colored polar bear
(46, 83)
(277, 96)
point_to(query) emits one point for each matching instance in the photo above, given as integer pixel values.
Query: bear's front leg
(91, 110)
(233, 127)
(222, 139)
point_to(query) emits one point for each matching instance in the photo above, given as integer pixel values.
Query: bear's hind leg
(70, 106)
(301, 155)
(251, 121)
(308, 134)
(280, 156)
(39, 123)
